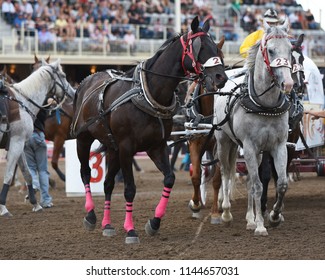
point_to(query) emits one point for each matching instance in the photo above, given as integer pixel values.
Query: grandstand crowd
(117, 19)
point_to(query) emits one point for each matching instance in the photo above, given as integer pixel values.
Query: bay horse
(132, 112)
(257, 120)
(24, 101)
(198, 144)
(266, 168)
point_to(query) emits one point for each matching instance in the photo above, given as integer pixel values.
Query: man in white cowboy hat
(271, 17)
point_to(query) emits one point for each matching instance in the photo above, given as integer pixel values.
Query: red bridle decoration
(188, 51)
(264, 41)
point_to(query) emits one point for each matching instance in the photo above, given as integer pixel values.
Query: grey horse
(257, 121)
(26, 98)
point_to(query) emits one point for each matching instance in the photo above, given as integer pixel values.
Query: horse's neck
(34, 87)
(162, 86)
(266, 92)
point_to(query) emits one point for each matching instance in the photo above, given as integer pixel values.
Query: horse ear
(206, 26)
(221, 42)
(195, 24)
(57, 63)
(36, 58)
(285, 26)
(44, 62)
(266, 26)
(300, 40)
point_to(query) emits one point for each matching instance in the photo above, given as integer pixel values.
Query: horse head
(298, 75)
(61, 87)
(202, 56)
(275, 49)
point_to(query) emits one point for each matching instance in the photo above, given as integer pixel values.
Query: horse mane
(30, 84)
(250, 62)
(163, 47)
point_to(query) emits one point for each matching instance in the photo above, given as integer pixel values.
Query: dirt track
(58, 233)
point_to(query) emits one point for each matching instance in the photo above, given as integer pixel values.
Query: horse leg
(83, 150)
(215, 209)
(22, 163)
(57, 149)
(255, 190)
(195, 147)
(264, 172)
(113, 166)
(227, 154)
(160, 157)
(280, 163)
(126, 159)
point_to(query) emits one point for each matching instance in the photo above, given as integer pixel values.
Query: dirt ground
(58, 233)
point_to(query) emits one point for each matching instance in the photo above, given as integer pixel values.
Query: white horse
(258, 121)
(49, 81)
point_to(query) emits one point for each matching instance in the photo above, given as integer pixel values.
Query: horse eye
(271, 52)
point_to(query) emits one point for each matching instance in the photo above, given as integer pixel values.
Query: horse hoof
(37, 208)
(275, 222)
(109, 231)
(196, 215)
(226, 218)
(261, 232)
(4, 211)
(193, 207)
(215, 220)
(88, 226)
(132, 238)
(251, 226)
(149, 230)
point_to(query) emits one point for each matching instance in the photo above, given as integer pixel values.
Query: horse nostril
(220, 77)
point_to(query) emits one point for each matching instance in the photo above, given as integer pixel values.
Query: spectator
(45, 39)
(294, 20)
(70, 29)
(312, 24)
(158, 29)
(61, 24)
(97, 39)
(228, 30)
(26, 8)
(49, 11)
(129, 39)
(19, 21)
(36, 156)
(8, 11)
(248, 21)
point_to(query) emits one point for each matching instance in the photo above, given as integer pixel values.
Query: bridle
(191, 47)
(277, 62)
(52, 91)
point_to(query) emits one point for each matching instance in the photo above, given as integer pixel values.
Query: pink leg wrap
(107, 214)
(162, 205)
(128, 224)
(89, 200)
